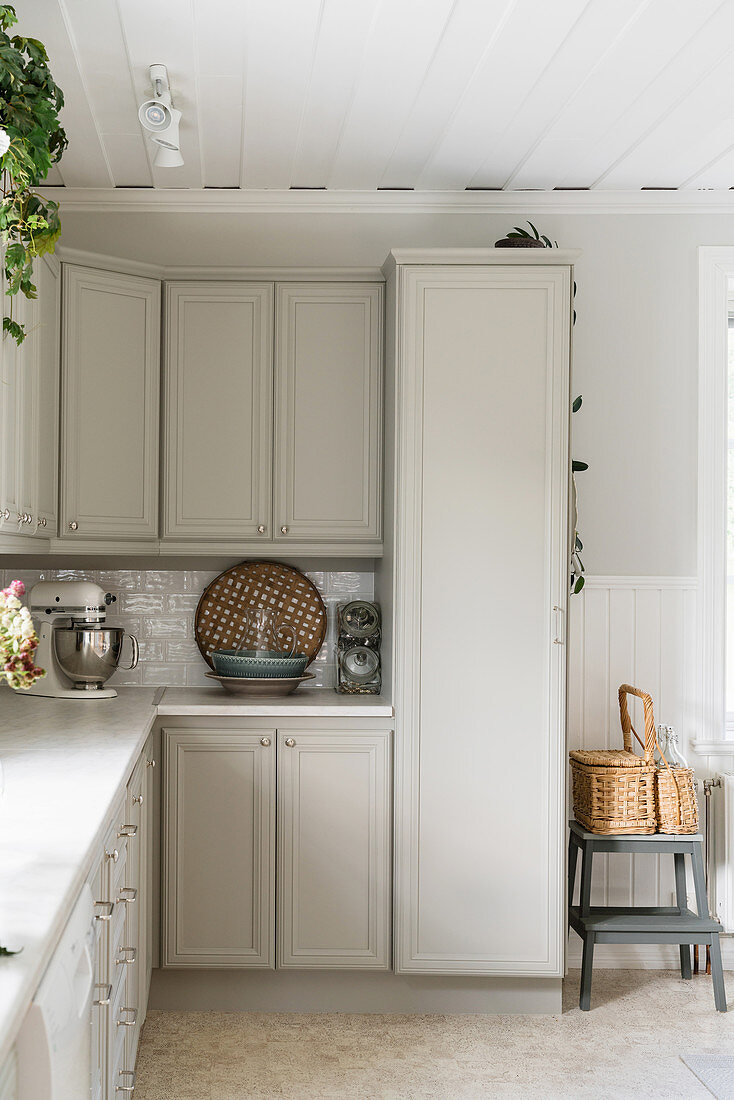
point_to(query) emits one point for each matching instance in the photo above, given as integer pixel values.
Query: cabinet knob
(150, 763)
(264, 741)
(5, 513)
(138, 799)
(114, 855)
(42, 521)
(73, 526)
(261, 528)
(284, 530)
(290, 742)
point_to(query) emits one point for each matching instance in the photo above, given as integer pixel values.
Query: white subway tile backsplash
(158, 606)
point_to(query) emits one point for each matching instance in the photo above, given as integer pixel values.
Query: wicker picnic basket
(614, 789)
(617, 791)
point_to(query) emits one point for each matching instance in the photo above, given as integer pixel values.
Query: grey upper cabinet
(218, 411)
(219, 848)
(334, 854)
(29, 385)
(110, 405)
(328, 439)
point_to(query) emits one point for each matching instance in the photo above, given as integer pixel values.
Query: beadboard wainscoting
(158, 605)
(639, 630)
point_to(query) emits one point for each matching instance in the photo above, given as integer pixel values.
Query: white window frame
(716, 277)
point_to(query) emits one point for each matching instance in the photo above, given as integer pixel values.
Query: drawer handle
(129, 954)
(133, 1013)
(127, 830)
(103, 1000)
(137, 800)
(108, 906)
(114, 855)
(128, 895)
(127, 1088)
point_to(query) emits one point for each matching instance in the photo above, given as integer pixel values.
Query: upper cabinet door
(328, 431)
(110, 405)
(47, 311)
(219, 410)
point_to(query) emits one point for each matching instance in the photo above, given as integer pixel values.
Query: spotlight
(161, 120)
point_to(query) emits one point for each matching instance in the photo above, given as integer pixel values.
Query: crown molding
(148, 200)
(224, 274)
(640, 582)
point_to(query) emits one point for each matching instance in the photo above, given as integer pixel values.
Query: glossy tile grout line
(628, 1045)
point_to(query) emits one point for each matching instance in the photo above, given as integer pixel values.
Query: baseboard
(348, 991)
(648, 956)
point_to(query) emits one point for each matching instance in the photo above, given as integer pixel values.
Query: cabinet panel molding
(219, 848)
(328, 412)
(110, 405)
(334, 856)
(219, 411)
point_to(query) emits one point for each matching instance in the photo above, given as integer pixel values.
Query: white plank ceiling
(411, 94)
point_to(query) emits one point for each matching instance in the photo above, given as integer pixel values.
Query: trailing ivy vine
(31, 140)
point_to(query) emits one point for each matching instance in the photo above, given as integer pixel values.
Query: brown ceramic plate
(260, 686)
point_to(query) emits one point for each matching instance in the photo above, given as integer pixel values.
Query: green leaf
(579, 467)
(14, 330)
(536, 234)
(579, 585)
(579, 543)
(577, 404)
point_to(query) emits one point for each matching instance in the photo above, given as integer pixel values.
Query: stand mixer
(77, 651)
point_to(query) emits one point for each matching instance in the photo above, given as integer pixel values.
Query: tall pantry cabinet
(478, 374)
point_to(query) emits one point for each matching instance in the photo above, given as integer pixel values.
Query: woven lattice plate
(220, 621)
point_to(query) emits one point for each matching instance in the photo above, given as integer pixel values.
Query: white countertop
(306, 703)
(65, 764)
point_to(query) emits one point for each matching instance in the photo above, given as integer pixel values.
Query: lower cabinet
(332, 849)
(120, 884)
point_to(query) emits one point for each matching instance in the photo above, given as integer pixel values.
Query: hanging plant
(31, 140)
(577, 566)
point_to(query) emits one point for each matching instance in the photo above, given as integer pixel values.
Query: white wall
(635, 341)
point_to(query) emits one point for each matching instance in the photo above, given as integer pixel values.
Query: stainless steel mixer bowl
(89, 655)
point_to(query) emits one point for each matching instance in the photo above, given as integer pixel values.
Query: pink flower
(17, 588)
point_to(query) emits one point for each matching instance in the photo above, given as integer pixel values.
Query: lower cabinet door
(219, 848)
(334, 849)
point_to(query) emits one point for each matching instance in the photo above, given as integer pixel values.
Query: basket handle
(651, 740)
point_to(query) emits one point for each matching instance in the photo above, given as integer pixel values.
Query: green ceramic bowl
(245, 663)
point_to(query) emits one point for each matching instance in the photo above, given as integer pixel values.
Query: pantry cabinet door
(110, 405)
(219, 411)
(46, 353)
(328, 432)
(482, 446)
(219, 848)
(334, 850)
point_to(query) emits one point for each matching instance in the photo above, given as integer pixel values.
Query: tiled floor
(628, 1046)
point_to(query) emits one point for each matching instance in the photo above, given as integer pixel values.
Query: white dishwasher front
(54, 1043)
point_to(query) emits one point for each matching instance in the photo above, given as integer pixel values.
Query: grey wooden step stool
(638, 924)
